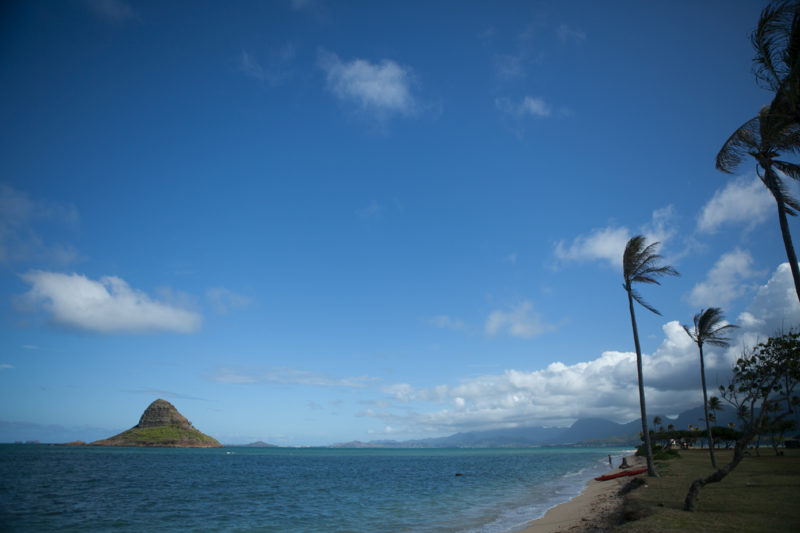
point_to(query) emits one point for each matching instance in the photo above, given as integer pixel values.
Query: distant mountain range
(585, 431)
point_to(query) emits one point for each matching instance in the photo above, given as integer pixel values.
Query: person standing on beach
(609, 461)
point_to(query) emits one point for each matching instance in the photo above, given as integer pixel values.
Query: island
(161, 426)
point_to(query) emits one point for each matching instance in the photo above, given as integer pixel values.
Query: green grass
(761, 494)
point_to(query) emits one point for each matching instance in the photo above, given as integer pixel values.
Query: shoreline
(590, 510)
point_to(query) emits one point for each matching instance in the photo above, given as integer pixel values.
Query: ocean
(52, 488)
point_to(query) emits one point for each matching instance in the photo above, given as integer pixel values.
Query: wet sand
(593, 510)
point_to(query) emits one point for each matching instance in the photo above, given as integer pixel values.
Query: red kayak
(622, 474)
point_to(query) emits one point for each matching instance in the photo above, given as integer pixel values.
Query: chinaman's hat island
(161, 426)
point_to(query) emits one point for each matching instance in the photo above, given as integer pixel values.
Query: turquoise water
(48, 488)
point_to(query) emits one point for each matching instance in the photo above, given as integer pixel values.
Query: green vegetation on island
(161, 425)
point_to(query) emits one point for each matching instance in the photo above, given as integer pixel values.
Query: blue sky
(308, 222)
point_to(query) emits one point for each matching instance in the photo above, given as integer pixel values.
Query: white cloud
(21, 223)
(608, 244)
(519, 321)
(726, 281)
(605, 386)
(605, 244)
(381, 89)
(105, 306)
(529, 107)
(5, 366)
(558, 394)
(741, 201)
(508, 67)
(251, 67)
(277, 69)
(224, 300)
(775, 306)
(566, 34)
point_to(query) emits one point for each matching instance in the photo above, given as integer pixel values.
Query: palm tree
(763, 138)
(708, 329)
(776, 40)
(640, 265)
(714, 405)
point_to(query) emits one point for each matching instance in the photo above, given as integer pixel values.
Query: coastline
(589, 511)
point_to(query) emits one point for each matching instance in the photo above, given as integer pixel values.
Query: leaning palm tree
(709, 329)
(640, 264)
(776, 65)
(763, 138)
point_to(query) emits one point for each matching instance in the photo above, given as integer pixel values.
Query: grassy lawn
(762, 494)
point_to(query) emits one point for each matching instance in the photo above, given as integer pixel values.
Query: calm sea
(49, 488)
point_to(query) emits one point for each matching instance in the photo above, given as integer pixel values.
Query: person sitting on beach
(624, 463)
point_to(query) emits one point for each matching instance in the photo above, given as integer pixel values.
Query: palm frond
(640, 264)
(638, 298)
(791, 205)
(742, 142)
(771, 39)
(791, 170)
(708, 328)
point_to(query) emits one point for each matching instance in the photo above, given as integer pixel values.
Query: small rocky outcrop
(161, 425)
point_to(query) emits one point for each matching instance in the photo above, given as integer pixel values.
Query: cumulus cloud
(108, 305)
(608, 244)
(22, 222)
(224, 300)
(726, 281)
(742, 201)
(382, 89)
(605, 386)
(775, 307)
(520, 321)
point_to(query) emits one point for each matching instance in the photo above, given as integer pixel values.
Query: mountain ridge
(583, 432)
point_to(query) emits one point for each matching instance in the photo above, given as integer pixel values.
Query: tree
(763, 138)
(762, 389)
(657, 423)
(776, 40)
(708, 329)
(640, 264)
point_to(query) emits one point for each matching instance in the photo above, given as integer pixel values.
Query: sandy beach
(588, 511)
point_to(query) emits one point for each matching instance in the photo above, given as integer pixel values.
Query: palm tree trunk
(705, 408)
(651, 470)
(787, 243)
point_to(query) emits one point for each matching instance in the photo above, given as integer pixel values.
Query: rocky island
(161, 425)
